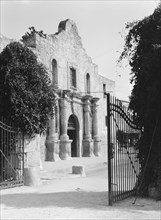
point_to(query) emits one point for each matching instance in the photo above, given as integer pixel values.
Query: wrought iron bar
(108, 156)
(123, 167)
(11, 147)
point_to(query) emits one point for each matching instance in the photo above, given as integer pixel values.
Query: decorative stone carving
(52, 143)
(65, 143)
(65, 149)
(87, 110)
(87, 142)
(96, 138)
(64, 123)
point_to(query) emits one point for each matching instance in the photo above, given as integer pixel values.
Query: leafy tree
(143, 50)
(26, 94)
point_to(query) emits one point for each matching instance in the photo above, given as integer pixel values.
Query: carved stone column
(65, 143)
(87, 141)
(52, 142)
(97, 150)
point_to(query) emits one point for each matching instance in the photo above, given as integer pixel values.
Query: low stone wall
(32, 151)
(32, 163)
(43, 151)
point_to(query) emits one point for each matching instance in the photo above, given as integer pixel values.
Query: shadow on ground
(74, 199)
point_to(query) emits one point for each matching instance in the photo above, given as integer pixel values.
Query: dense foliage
(26, 95)
(143, 50)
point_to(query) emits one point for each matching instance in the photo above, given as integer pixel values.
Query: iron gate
(11, 155)
(123, 140)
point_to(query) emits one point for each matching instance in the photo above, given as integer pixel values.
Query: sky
(101, 26)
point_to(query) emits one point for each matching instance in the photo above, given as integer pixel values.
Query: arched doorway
(73, 134)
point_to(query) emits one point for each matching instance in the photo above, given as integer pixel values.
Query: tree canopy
(143, 50)
(26, 94)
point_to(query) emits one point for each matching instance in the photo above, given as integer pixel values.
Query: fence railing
(11, 154)
(123, 140)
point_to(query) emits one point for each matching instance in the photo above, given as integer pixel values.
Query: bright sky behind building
(99, 25)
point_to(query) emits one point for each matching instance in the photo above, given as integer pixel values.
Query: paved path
(64, 167)
(73, 197)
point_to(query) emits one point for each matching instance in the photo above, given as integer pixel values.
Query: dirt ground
(73, 197)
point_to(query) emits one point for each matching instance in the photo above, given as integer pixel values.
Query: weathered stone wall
(66, 48)
(32, 151)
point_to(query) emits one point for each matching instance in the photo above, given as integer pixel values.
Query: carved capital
(63, 103)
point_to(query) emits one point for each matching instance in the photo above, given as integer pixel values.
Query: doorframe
(77, 128)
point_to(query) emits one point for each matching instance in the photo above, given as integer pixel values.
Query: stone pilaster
(96, 139)
(65, 143)
(52, 142)
(87, 141)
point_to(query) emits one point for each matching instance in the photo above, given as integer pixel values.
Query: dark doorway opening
(72, 133)
(72, 136)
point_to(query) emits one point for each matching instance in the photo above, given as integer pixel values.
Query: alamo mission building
(79, 126)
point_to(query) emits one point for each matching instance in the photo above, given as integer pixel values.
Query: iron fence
(123, 141)
(11, 154)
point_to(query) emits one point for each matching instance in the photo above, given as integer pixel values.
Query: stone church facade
(78, 128)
